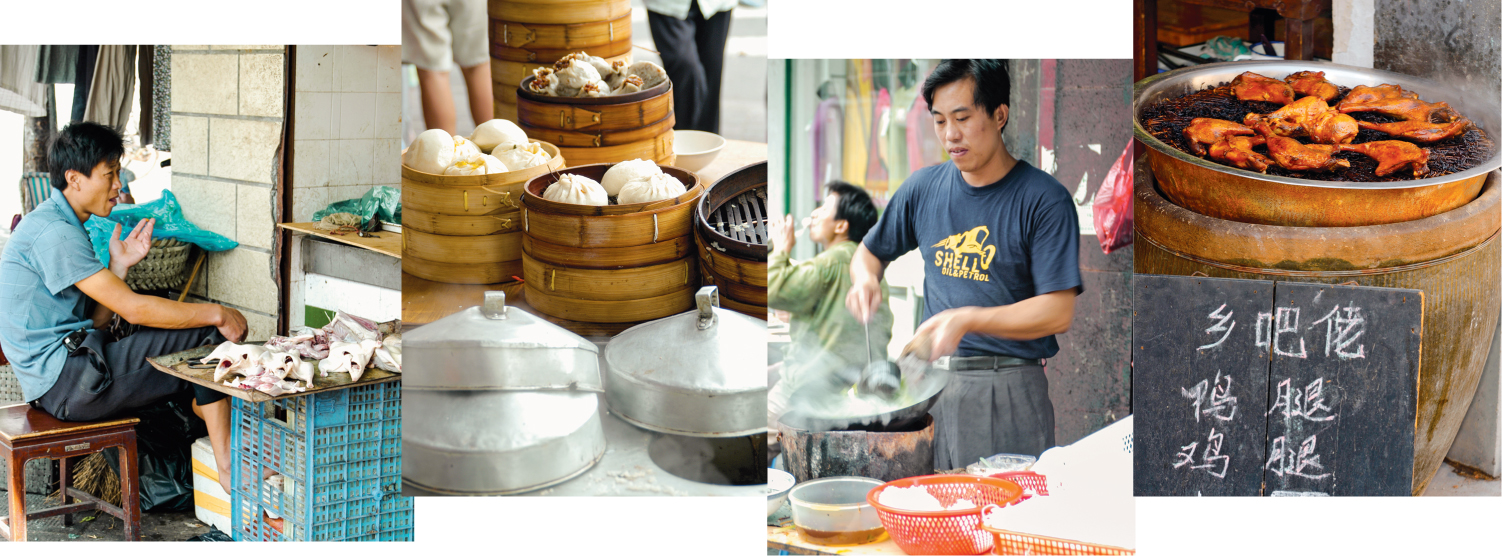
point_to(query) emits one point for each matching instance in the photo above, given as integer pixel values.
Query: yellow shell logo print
(963, 255)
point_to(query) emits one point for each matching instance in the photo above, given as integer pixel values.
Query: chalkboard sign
(1256, 388)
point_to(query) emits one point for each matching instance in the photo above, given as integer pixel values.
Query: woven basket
(10, 386)
(162, 268)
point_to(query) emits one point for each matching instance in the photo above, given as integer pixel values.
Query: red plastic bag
(1113, 205)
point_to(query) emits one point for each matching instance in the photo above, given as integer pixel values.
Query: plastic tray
(340, 454)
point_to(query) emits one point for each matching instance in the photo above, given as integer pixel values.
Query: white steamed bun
(623, 172)
(650, 188)
(497, 132)
(520, 156)
(432, 152)
(485, 164)
(577, 190)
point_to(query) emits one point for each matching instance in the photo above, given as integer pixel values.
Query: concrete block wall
(227, 121)
(347, 122)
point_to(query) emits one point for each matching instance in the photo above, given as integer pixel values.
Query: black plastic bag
(164, 455)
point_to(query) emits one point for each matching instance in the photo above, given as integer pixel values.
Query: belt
(989, 362)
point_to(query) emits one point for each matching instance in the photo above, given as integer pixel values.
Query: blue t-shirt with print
(984, 246)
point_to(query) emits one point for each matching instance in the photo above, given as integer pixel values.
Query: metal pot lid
(498, 442)
(701, 373)
(712, 351)
(495, 347)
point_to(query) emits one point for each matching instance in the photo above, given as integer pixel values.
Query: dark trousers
(693, 53)
(106, 378)
(984, 413)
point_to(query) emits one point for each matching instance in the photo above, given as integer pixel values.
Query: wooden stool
(27, 434)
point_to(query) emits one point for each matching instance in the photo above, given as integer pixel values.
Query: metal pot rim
(1151, 89)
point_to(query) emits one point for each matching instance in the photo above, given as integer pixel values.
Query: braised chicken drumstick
(1293, 155)
(1251, 86)
(1393, 101)
(1309, 117)
(1237, 151)
(1394, 155)
(1203, 132)
(1420, 131)
(1312, 83)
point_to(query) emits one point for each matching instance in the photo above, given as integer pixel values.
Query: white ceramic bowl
(696, 149)
(779, 482)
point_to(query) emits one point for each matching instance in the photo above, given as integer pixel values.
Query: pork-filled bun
(577, 190)
(493, 133)
(432, 152)
(623, 172)
(651, 188)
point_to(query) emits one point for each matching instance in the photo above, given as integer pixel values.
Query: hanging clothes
(161, 99)
(19, 91)
(145, 71)
(114, 82)
(57, 63)
(83, 79)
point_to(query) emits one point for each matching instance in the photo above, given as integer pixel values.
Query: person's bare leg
(438, 99)
(216, 416)
(481, 95)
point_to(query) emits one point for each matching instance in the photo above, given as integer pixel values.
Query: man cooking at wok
(56, 301)
(1000, 243)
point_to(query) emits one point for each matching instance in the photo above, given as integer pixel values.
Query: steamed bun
(622, 172)
(646, 189)
(577, 190)
(496, 132)
(485, 164)
(467, 150)
(432, 152)
(520, 156)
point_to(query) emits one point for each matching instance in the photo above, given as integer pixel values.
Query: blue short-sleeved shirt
(984, 246)
(39, 303)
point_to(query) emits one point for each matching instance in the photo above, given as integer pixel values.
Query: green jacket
(825, 336)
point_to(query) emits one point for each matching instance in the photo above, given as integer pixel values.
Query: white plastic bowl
(696, 149)
(779, 482)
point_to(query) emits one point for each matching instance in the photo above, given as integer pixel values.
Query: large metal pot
(498, 442)
(700, 373)
(495, 347)
(1212, 189)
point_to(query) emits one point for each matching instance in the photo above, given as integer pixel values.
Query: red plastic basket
(944, 532)
(1027, 480)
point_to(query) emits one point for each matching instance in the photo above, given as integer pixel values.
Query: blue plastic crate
(340, 452)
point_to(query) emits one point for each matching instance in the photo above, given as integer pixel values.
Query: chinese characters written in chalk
(1279, 331)
(1211, 400)
(1309, 405)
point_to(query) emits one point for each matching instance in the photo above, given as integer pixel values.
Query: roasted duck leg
(1312, 83)
(1251, 86)
(1392, 156)
(1308, 117)
(1420, 131)
(1203, 132)
(1237, 151)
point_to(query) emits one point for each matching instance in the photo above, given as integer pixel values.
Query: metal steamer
(499, 402)
(693, 374)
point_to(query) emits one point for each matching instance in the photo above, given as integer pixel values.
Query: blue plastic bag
(170, 223)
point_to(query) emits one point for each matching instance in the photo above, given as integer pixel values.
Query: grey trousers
(984, 413)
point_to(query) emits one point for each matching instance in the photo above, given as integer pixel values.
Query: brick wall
(227, 123)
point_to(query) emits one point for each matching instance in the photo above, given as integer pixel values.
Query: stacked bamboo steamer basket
(529, 34)
(730, 232)
(614, 264)
(466, 229)
(603, 129)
